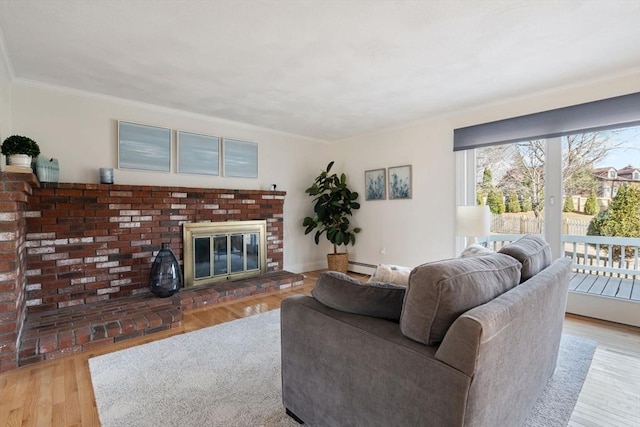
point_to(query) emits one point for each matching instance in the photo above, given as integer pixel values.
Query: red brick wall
(92, 242)
(14, 189)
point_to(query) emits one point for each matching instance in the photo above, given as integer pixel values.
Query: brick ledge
(60, 332)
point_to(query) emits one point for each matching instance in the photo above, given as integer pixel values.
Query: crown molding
(154, 107)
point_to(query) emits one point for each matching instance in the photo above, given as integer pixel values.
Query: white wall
(80, 130)
(5, 96)
(409, 232)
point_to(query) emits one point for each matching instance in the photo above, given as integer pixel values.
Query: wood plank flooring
(59, 392)
(608, 286)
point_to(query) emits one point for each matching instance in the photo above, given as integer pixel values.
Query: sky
(628, 153)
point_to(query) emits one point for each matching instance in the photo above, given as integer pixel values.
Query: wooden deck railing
(609, 256)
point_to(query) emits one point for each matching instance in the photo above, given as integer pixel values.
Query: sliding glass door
(582, 192)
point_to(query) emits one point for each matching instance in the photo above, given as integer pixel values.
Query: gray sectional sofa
(469, 342)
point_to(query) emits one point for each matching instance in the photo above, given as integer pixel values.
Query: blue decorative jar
(166, 274)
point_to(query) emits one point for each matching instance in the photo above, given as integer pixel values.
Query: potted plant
(19, 150)
(333, 205)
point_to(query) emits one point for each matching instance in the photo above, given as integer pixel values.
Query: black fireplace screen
(221, 255)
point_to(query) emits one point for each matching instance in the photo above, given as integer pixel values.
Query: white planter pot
(19, 160)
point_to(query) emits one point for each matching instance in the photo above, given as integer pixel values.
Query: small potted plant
(20, 150)
(333, 205)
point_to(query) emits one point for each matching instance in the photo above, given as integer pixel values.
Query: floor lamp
(473, 222)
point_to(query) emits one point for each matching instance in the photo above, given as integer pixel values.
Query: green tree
(495, 201)
(487, 180)
(624, 213)
(526, 203)
(479, 198)
(620, 219)
(581, 181)
(595, 225)
(513, 204)
(568, 204)
(591, 205)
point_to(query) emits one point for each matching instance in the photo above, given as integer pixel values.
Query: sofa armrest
(510, 345)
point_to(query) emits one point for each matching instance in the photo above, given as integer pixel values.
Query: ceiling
(321, 69)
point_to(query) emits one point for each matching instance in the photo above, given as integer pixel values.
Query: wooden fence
(523, 224)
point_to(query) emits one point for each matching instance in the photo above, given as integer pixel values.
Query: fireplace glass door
(223, 253)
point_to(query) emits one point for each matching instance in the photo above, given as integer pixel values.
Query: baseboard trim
(616, 310)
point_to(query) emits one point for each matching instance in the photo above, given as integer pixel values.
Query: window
(549, 128)
(588, 132)
(636, 176)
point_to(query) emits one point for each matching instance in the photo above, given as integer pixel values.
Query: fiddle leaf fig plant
(334, 204)
(16, 144)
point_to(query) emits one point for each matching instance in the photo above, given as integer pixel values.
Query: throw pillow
(476, 249)
(344, 293)
(533, 252)
(391, 274)
(439, 292)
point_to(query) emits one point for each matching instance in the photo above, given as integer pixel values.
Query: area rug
(229, 375)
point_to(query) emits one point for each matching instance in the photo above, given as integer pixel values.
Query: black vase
(166, 274)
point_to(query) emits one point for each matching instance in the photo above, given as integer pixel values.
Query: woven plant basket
(338, 262)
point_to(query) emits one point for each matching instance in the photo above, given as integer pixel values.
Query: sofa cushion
(391, 274)
(344, 293)
(533, 252)
(439, 292)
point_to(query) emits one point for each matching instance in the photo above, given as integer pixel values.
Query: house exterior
(610, 179)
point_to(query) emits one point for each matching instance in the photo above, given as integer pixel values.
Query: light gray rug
(229, 375)
(555, 405)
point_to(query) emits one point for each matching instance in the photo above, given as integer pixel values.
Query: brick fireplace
(93, 244)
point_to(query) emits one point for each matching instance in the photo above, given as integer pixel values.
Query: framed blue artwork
(144, 147)
(240, 158)
(198, 154)
(375, 185)
(400, 182)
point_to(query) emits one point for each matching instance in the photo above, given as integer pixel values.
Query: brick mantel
(87, 243)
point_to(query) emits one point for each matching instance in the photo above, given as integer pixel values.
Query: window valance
(618, 112)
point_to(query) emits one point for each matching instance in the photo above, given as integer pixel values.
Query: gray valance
(621, 111)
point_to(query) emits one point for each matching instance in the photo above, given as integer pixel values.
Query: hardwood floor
(611, 393)
(59, 392)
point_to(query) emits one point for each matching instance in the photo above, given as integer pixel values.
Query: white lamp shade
(473, 221)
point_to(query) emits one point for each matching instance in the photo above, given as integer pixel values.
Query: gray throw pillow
(344, 293)
(533, 252)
